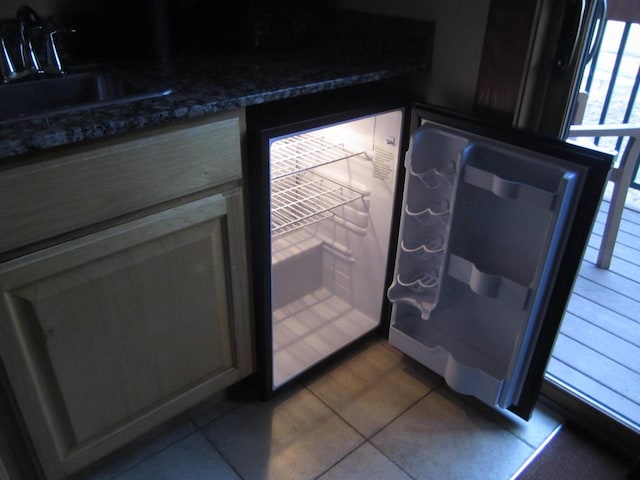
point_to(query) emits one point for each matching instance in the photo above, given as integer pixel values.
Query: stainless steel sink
(80, 89)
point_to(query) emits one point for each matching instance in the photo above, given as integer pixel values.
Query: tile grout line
(196, 428)
(343, 457)
(229, 464)
(491, 418)
(146, 459)
(200, 429)
(385, 425)
(536, 452)
(430, 392)
(391, 460)
(366, 442)
(367, 439)
(306, 387)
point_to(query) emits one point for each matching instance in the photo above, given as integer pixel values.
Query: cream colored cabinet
(107, 334)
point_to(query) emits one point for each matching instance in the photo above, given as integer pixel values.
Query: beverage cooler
(461, 244)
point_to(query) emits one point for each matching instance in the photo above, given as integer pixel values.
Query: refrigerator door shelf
(507, 189)
(466, 372)
(493, 286)
(422, 300)
(434, 178)
(430, 186)
(444, 161)
(422, 282)
(424, 249)
(436, 210)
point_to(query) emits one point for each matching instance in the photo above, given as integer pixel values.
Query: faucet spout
(29, 21)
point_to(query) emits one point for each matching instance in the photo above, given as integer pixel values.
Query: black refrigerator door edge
(597, 166)
(298, 114)
(257, 174)
(580, 230)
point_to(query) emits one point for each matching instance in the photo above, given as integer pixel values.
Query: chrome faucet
(7, 69)
(54, 61)
(28, 22)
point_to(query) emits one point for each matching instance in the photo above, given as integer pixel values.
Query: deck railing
(627, 163)
(614, 104)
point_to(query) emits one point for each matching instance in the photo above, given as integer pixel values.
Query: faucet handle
(54, 61)
(7, 69)
(28, 16)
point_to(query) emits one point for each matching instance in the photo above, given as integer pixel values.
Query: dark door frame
(519, 84)
(532, 54)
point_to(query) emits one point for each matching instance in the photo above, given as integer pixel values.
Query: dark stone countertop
(206, 83)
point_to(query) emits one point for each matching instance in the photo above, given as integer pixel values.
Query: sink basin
(78, 90)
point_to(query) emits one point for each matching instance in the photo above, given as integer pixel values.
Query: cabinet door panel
(118, 330)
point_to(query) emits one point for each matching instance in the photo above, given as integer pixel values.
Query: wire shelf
(298, 153)
(304, 199)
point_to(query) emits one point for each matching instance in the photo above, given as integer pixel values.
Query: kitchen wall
(460, 28)
(457, 51)
(8, 8)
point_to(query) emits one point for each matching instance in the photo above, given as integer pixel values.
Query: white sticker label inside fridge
(383, 163)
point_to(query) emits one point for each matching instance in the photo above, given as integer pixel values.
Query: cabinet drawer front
(93, 184)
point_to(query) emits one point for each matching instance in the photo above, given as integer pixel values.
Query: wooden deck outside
(598, 349)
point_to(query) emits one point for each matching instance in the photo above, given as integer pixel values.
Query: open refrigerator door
(491, 224)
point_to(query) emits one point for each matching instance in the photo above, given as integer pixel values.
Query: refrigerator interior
(482, 225)
(332, 196)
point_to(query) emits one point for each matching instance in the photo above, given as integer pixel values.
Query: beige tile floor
(374, 414)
